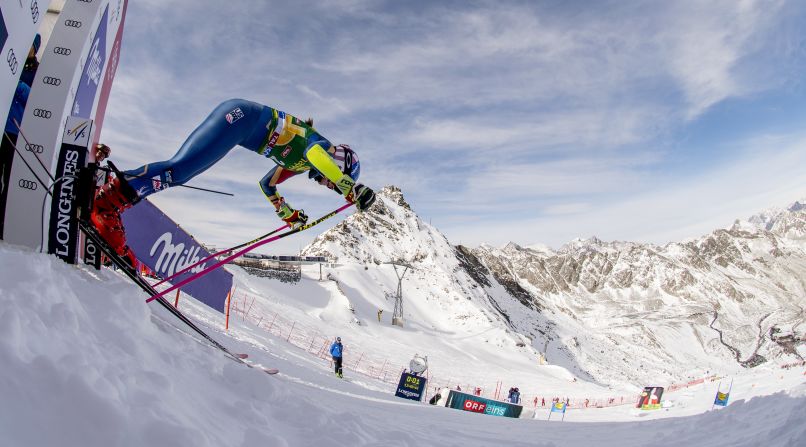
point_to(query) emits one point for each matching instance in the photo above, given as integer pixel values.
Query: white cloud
(767, 173)
(706, 42)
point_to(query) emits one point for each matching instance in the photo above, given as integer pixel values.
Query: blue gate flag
(721, 399)
(558, 407)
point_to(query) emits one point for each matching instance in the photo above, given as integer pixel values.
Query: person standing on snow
(336, 351)
(294, 145)
(514, 395)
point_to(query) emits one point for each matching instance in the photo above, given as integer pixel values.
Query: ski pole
(198, 188)
(219, 254)
(247, 250)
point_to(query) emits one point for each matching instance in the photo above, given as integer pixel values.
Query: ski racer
(294, 145)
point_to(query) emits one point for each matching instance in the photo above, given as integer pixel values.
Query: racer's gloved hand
(362, 196)
(294, 218)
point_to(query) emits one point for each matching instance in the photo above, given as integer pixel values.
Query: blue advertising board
(411, 387)
(478, 404)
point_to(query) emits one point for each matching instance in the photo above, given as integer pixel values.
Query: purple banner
(166, 249)
(109, 76)
(91, 75)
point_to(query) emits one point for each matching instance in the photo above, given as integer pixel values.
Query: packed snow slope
(605, 312)
(86, 362)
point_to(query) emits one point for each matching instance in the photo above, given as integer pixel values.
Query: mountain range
(607, 311)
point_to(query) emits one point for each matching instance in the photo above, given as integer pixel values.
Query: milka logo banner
(166, 249)
(91, 75)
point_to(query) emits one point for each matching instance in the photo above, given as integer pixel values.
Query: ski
(270, 371)
(129, 271)
(242, 252)
(124, 266)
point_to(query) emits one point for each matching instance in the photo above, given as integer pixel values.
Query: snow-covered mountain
(608, 310)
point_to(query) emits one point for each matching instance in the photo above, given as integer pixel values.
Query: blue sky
(525, 121)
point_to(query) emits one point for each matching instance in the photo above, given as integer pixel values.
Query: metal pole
(292, 330)
(250, 306)
(272, 323)
(229, 301)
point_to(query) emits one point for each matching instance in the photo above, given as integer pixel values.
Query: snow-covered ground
(84, 361)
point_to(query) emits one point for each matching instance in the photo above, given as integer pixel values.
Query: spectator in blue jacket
(336, 351)
(514, 395)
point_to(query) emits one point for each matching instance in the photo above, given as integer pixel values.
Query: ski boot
(111, 200)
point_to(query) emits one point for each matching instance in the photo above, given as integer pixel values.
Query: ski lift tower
(397, 314)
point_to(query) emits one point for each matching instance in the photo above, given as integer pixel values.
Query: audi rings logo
(72, 23)
(28, 184)
(42, 113)
(50, 80)
(13, 63)
(35, 11)
(36, 148)
(63, 51)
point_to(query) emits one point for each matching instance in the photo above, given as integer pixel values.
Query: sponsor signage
(478, 404)
(411, 387)
(650, 398)
(63, 230)
(19, 21)
(71, 63)
(165, 248)
(92, 253)
(91, 74)
(118, 14)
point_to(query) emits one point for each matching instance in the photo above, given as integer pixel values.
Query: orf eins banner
(166, 249)
(478, 404)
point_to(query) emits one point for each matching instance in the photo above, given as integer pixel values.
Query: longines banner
(19, 21)
(71, 72)
(166, 249)
(478, 404)
(63, 235)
